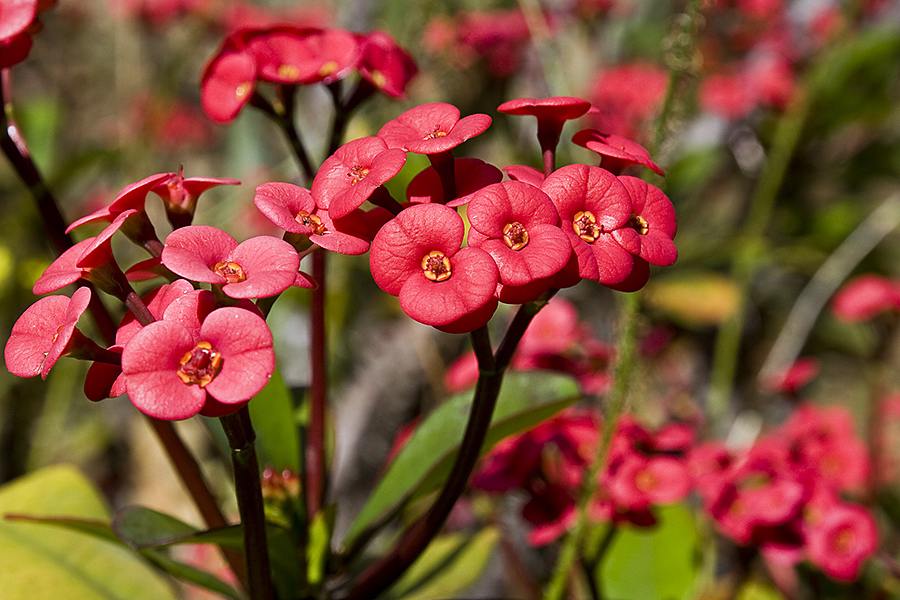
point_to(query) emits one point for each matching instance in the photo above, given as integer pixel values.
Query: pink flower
(551, 113)
(617, 152)
(525, 174)
(256, 268)
(592, 204)
(471, 174)
(432, 128)
(15, 17)
(293, 209)
(841, 541)
(179, 195)
(866, 297)
(651, 226)
(44, 332)
(228, 81)
(626, 97)
(91, 259)
(640, 482)
(417, 257)
(294, 55)
(131, 197)
(791, 378)
(517, 225)
(351, 175)
(169, 372)
(385, 65)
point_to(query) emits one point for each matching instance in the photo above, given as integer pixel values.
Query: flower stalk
(241, 438)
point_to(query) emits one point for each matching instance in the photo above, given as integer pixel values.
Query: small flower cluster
(292, 56)
(180, 351)
(644, 469)
(784, 494)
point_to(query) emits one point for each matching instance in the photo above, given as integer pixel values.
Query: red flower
(351, 175)
(293, 209)
(169, 372)
(471, 175)
(256, 268)
(517, 225)
(432, 128)
(551, 113)
(865, 297)
(417, 256)
(91, 259)
(15, 17)
(293, 55)
(179, 195)
(386, 65)
(841, 541)
(228, 80)
(617, 152)
(44, 332)
(592, 204)
(640, 482)
(525, 174)
(651, 226)
(131, 197)
(626, 97)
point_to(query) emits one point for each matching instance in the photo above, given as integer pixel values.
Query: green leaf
(142, 527)
(190, 574)
(318, 549)
(274, 421)
(656, 563)
(95, 527)
(525, 400)
(48, 563)
(451, 564)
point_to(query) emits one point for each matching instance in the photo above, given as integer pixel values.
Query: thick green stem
(239, 431)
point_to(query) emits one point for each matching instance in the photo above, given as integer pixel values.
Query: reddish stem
(315, 448)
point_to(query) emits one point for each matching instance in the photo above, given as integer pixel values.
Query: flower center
(436, 266)
(231, 271)
(639, 224)
(311, 221)
(328, 68)
(357, 174)
(843, 540)
(436, 133)
(515, 235)
(200, 365)
(645, 481)
(585, 225)
(243, 89)
(288, 71)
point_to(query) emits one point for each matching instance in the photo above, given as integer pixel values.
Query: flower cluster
(293, 56)
(180, 351)
(644, 469)
(785, 494)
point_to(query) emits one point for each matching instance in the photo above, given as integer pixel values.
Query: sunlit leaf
(190, 574)
(38, 562)
(451, 564)
(656, 563)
